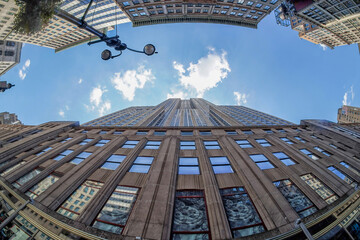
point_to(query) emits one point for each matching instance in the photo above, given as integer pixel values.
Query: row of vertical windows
(189, 133)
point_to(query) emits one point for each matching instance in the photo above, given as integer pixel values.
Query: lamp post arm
(78, 22)
(135, 50)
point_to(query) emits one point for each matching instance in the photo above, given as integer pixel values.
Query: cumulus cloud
(61, 113)
(201, 76)
(179, 94)
(348, 96)
(240, 98)
(130, 80)
(80, 81)
(97, 103)
(23, 70)
(323, 46)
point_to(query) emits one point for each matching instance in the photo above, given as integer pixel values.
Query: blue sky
(268, 69)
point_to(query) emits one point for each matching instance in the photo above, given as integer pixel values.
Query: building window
(44, 150)
(323, 191)
(281, 130)
(244, 143)
(323, 151)
(159, 133)
(309, 154)
(263, 142)
(288, 141)
(231, 132)
(212, 145)
(285, 159)
(342, 176)
(248, 132)
(27, 177)
(221, 165)
(268, 131)
(102, 142)
(130, 144)
(205, 133)
(194, 225)
(113, 162)
(187, 145)
(63, 154)
(152, 145)
(118, 132)
(103, 132)
(141, 164)
(39, 188)
(351, 168)
(298, 201)
(9, 53)
(141, 132)
(77, 202)
(86, 141)
(186, 133)
(300, 139)
(117, 209)
(65, 140)
(189, 165)
(261, 161)
(241, 213)
(80, 157)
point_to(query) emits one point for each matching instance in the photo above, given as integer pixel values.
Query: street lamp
(148, 50)
(113, 42)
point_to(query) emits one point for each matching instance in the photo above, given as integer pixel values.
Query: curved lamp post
(148, 50)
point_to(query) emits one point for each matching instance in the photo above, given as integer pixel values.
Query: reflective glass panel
(114, 214)
(298, 201)
(39, 188)
(241, 212)
(77, 202)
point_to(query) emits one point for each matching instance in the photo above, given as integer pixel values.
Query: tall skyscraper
(188, 113)
(204, 180)
(330, 23)
(10, 54)
(244, 13)
(60, 34)
(348, 114)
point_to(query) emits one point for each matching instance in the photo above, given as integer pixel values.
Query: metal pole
(13, 215)
(86, 11)
(304, 229)
(82, 24)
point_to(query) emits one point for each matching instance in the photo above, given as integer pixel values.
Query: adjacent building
(9, 118)
(348, 114)
(60, 34)
(180, 181)
(330, 23)
(10, 54)
(245, 13)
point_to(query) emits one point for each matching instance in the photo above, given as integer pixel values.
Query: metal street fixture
(113, 42)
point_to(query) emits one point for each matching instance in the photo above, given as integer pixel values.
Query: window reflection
(114, 214)
(77, 202)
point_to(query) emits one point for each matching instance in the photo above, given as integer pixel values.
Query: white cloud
(202, 76)
(97, 103)
(67, 108)
(179, 94)
(129, 81)
(61, 113)
(348, 94)
(323, 46)
(240, 98)
(80, 80)
(23, 70)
